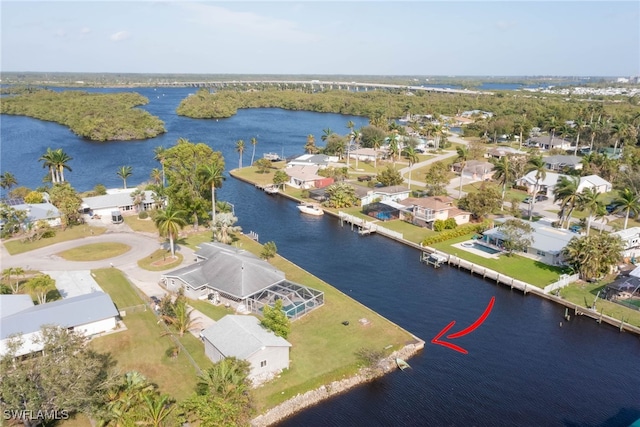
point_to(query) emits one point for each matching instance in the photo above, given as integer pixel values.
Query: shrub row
(452, 234)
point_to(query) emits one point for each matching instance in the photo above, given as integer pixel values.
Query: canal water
(522, 367)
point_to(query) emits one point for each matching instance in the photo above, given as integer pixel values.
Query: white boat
(311, 209)
(271, 189)
(274, 157)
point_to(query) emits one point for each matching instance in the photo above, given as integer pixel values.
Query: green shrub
(450, 224)
(438, 225)
(143, 215)
(457, 232)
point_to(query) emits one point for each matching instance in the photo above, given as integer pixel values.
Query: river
(522, 369)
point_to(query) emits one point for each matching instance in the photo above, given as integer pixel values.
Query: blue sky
(572, 38)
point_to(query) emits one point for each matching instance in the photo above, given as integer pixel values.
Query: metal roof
(229, 270)
(545, 237)
(116, 200)
(67, 313)
(10, 304)
(241, 336)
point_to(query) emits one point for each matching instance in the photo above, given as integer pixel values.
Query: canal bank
(488, 274)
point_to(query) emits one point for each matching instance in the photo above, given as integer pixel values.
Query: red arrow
(471, 328)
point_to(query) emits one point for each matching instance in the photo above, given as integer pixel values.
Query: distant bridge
(321, 85)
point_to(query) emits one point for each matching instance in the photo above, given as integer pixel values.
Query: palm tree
(588, 201)
(181, 318)
(350, 126)
(156, 409)
(8, 180)
(580, 125)
(47, 162)
(224, 227)
(169, 223)
(566, 191)
(254, 142)
(503, 173)
(240, 150)
(124, 172)
(159, 154)
(326, 133)
(551, 123)
(310, 146)
(138, 197)
(411, 155)
(226, 378)
(60, 160)
(627, 202)
(212, 175)
(463, 156)
(156, 176)
(535, 164)
(619, 131)
(394, 147)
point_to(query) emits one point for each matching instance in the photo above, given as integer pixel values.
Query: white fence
(565, 279)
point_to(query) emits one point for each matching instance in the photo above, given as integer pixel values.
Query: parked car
(539, 198)
(575, 228)
(610, 208)
(362, 178)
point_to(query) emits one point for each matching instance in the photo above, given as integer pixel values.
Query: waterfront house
(424, 211)
(89, 314)
(562, 162)
(223, 273)
(322, 161)
(477, 170)
(393, 193)
(546, 142)
(40, 212)
(631, 241)
(244, 338)
(547, 242)
(306, 177)
(118, 199)
(549, 182)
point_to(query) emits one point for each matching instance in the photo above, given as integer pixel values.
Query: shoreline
(525, 287)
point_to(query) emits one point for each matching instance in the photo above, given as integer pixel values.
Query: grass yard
(251, 173)
(15, 246)
(580, 292)
(113, 282)
(215, 312)
(537, 273)
(95, 251)
(141, 225)
(160, 260)
(509, 195)
(410, 232)
(324, 349)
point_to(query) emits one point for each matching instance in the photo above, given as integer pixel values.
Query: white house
(631, 241)
(546, 142)
(547, 242)
(116, 200)
(40, 212)
(320, 160)
(394, 193)
(244, 338)
(550, 180)
(88, 314)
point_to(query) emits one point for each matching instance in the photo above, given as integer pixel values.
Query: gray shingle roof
(241, 336)
(67, 313)
(228, 270)
(38, 211)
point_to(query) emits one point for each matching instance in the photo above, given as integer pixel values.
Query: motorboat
(310, 209)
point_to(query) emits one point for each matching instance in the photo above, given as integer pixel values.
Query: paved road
(46, 259)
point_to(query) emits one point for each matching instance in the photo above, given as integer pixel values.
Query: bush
(143, 215)
(450, 224)
(459, 231)
(438, 225)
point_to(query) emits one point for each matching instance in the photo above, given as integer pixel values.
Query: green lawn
(537, 273)
(410, 232)
(160, 260)
(583, 294)
(324, 349)
(510, 193)
(15, 246)
(142, 225)
(143, 347)
(95, 251)
(215, 312)
(251, 173)
(575, 214)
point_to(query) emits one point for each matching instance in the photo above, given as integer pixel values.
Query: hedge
(452, 234)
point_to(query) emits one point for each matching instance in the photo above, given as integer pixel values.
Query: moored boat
(310, 209)
(402, 364)
(271, 189)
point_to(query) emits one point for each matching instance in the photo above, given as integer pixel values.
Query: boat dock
(434, 259)
(268, 188)
(364, 228)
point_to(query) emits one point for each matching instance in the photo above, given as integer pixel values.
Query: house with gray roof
(244, 338)
(561, 162)
(547, 142)
(116, 200)
(548, 183)
(40, 212)
(223, 272)
(547, 242)
(88, 314)
(393, 193)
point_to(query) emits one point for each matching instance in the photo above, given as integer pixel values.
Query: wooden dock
(364, 228)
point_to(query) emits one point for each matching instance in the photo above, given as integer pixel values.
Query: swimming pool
(483, 248)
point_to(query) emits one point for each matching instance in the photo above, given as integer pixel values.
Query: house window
(540, 253)
(263, 363)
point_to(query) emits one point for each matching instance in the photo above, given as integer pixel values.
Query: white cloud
(85, 30)
(249, 24)
(120, 36)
